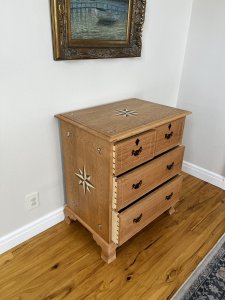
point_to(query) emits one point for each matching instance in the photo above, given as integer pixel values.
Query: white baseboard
(204, 174)
(28, 231)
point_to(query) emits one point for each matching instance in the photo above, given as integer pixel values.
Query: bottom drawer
(133, 219)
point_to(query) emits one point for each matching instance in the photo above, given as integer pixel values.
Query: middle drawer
(134, 184)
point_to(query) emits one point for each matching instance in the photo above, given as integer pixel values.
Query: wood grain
(136, 183)
(169, 135)
(108, 253)
(136, 217)
(134, 151)
(104, 120)
(111, 140)
(81, 149)
(64, 262)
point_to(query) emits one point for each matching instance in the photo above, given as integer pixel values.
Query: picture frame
(93, 29)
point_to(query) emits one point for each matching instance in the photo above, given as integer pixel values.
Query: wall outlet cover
(32, 200)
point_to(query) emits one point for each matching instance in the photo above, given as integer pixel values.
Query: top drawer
(133, 151)
(169, 135)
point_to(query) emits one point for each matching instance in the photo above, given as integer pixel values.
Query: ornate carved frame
(65, 49)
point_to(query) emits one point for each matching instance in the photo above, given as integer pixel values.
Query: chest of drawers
(122, 164)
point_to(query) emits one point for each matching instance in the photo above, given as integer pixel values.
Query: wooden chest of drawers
(122, 164)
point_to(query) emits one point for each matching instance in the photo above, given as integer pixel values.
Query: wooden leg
(108, 250)
(172, 210)
(68, 217)
(68, 220)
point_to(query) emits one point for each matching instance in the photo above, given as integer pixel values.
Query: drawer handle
(137, 142)
(136, 152)
(168, 135)
(138, 219)
(168, 197)
(169, 167)
(137, 185)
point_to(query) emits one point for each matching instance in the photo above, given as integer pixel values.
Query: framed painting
(85, 29)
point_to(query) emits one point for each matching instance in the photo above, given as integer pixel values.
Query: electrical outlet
(32, 200)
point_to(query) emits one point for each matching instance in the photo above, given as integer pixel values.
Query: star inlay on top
(84, 180)
(126, 112)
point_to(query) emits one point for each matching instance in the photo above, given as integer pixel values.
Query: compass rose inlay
(84, 180)
(126, 112)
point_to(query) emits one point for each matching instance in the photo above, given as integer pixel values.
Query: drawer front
(136, 217)
(136, 183)
(169, 135)
(133, 151)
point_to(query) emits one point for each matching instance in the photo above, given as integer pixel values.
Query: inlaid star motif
(84, 180)
(126, 112)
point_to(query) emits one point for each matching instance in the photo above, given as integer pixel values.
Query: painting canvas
(84, 29)
(99, 20)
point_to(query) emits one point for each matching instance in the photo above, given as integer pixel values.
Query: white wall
(202, 87)
(33, 88)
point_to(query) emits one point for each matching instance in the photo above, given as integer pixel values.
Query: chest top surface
(120, 119)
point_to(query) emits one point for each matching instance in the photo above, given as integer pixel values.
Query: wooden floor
(64, 262)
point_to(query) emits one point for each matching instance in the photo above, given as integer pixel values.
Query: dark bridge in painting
(98, 5)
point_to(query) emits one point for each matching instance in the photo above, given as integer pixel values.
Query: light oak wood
(134, 151)
(105, 122)
(83, 150)
(172, 211)
(169, 135)
(108, 250)
(67, 219)
(109, 161)
(136, 183)
(64, 262)
(136, 217)
(108, 253)
(5, 258)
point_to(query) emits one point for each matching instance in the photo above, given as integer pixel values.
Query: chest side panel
(87, 167)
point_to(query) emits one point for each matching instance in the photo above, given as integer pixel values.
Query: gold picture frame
(91, 29)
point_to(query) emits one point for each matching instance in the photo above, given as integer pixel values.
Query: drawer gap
(161, 154)
(149, 193)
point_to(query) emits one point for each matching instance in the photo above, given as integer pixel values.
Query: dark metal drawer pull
(137, 142)
(138, 219)
(136, 152)
(137, 185)
(168, 135)
(169, 167)
(168, 197)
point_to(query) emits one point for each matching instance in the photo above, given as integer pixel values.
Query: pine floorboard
(64, 261)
